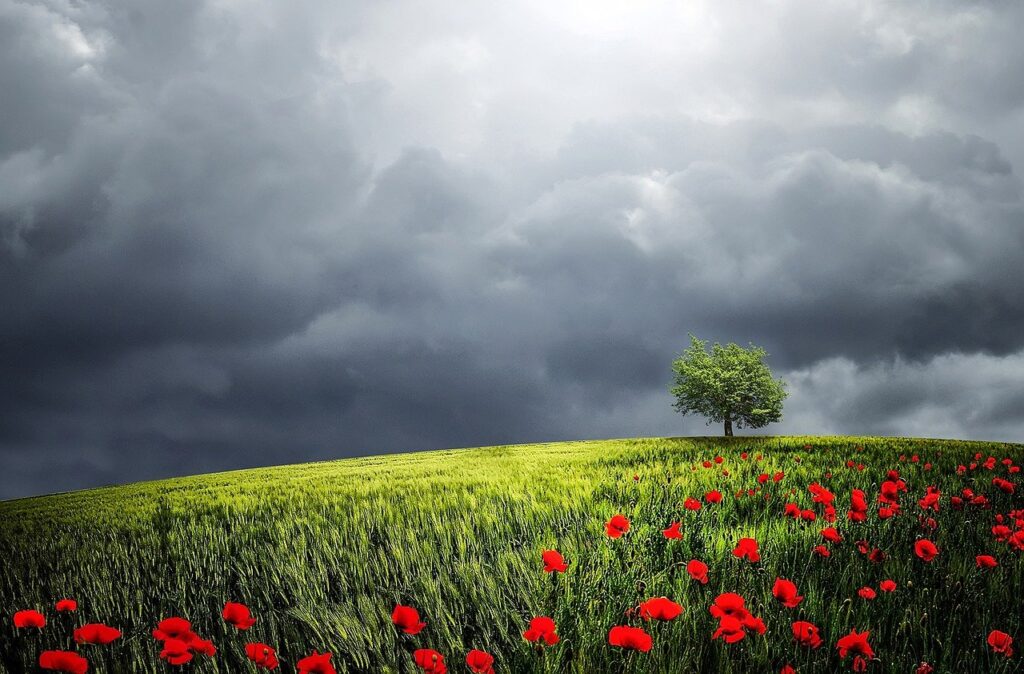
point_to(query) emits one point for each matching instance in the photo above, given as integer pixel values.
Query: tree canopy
(729, 385)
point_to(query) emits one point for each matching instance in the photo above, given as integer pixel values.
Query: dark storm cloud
(236, 235)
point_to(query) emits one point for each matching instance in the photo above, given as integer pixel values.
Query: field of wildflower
(733, 555)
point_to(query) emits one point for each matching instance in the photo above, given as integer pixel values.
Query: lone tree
(731, 384)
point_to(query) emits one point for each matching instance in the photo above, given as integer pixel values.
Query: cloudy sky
(247, 233)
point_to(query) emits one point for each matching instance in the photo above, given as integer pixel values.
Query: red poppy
(176, 652)
(762, 478)
(713, 496)
(747, 548)
(887, 586)
(924, 668)
(730, 630)
(831, 535)
(616, 526)
(925, 549)
(866, 593)
(821, 495)
(698, 570)
(691, 503)
(553, 561)
(430, 661)
(1016, 539)
(238, 615)
(672, 533)
(407, 619)
(480, 662)
(806, 634)
(66, 605)
(891, 488)
(96, 633)
(203, 646)
(986, 562)
(660, 608)
(63, 661)
(785, 591)
(930, 500)
(317, 663)
(858, 506)
(29, 618)
(857, 645)
(1001, 642)
(729, 604)
(822, 551)
(787, 669)
(1004, 486)
(261, 655)
(631, 638)
(173, 628)
(542, 628)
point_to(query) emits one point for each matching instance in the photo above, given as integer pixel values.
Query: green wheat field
(323, 552)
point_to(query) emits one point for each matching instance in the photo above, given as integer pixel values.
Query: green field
(322, 553)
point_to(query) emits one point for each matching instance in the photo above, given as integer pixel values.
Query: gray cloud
(243, 235)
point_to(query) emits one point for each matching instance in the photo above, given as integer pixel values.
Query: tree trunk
(728, 426)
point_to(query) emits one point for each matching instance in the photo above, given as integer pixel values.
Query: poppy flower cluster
(734, 620)
(407, 620)
(60, 660)
(180, 642)
(542, 630)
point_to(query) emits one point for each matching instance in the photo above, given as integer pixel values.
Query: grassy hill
(323, 552)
